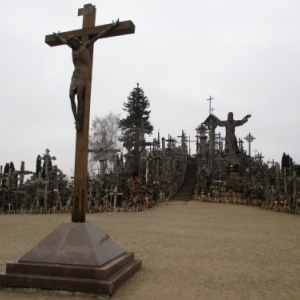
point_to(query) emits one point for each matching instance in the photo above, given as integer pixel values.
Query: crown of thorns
(74, 38)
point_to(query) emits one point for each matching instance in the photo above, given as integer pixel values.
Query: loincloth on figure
(78, 81)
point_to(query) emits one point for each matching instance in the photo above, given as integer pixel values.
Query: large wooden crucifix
(84, 37)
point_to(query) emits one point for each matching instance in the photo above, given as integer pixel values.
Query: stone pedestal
(75, 257)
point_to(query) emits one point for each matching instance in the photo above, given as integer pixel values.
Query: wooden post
(82, 136)
(285, 187)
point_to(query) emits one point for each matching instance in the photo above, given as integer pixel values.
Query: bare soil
(188, 251)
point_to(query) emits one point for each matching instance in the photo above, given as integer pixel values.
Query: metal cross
(209, 99)
(249, 138)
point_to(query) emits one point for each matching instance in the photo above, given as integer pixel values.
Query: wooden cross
(209, 99)
(115, 194)
(88, 31)
(136, 144)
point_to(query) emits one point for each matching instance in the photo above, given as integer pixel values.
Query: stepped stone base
(75, 257)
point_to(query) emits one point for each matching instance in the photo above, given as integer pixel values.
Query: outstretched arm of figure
(246, 118)
(216, 120)
(243, 121)
(102, 33)
(62, 39)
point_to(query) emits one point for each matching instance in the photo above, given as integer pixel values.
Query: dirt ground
(188, 251)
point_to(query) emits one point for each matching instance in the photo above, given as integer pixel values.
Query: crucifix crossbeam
(126, 27)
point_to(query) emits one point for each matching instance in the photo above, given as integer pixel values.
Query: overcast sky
(245, 54)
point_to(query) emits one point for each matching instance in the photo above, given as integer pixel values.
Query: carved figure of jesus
(80, 57)
(231, 146)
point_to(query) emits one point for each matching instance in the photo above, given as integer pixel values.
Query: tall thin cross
(190, 144)
(88, 31)
(209, 99)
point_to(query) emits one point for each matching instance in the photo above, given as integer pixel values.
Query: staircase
(186, 191)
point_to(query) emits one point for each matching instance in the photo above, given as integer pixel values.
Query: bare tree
(104, 133)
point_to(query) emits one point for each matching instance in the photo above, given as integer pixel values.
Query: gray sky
(245, 54)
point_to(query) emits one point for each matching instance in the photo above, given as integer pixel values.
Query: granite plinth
(76, 257)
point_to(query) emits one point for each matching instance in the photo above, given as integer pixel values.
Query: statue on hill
(231, 146)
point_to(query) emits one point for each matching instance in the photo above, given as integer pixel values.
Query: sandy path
(194, 251)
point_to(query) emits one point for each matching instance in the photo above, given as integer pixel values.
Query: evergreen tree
(38, 168)
(287, 162)
(138, 115)
(6, 168)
